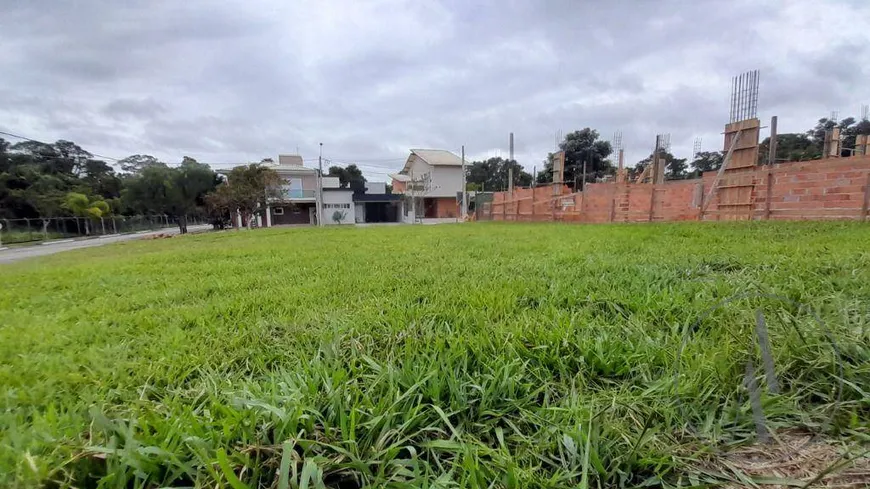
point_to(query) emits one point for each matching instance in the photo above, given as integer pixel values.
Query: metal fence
(38, 229)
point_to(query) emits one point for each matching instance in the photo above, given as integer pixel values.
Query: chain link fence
(17, 231)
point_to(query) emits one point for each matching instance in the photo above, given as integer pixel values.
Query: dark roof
(333, 189)
(376, 197)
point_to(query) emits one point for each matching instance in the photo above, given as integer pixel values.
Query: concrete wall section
(341, 202)
(446, 181)
(376, 188)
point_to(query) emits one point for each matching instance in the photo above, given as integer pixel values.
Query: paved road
(14, 254)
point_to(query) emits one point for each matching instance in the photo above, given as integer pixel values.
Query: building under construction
(835, 187)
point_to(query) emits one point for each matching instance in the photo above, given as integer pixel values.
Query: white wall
(445, 180)
(376, 188)
(341, 201)
(360, 210)
(407, 205)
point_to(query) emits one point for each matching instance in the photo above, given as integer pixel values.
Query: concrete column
(238, 219)
(268, 216)
(259, 221)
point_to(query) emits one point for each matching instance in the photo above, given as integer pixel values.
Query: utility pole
(464, 210)
(511, 168)
(588, 156)
(318, 200)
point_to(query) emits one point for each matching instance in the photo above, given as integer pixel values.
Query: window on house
(278, 211)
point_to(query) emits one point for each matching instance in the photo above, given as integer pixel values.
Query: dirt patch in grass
(795, 459)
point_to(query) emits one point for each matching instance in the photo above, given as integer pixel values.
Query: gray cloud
(230, 82)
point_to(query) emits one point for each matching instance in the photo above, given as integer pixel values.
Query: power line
(47, 144)
(343, 161)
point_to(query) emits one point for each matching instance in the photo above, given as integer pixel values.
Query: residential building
(431, 179)
(298, 201)
(338, 204)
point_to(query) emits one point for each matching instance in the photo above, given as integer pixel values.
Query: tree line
(585, 146)
(45, 181)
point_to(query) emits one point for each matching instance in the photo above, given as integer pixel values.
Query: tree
(675, 168)
(137, 163)
(60, 158)
(493, 174)
(73, 155)
(175, 192)
(191, 182)
(4, 155)
(47, 197)
(707, 161)
(790, 147)
(219, 205)
(80, 205)
(579, 147)
(249, 189)
(150, 190)
(348, 177)
(101, 179)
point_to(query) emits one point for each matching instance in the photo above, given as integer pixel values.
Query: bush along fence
(39, 229)
(833, 188)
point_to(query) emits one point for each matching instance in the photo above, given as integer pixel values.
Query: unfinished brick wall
(835, 188)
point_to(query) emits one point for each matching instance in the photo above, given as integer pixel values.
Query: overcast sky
(239, 80)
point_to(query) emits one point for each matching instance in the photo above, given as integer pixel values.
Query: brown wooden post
(769, 193)
(516, 210)
(866, 199)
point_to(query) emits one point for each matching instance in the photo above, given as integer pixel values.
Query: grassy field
(479, 355)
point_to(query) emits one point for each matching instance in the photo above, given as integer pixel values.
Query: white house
(432, 178)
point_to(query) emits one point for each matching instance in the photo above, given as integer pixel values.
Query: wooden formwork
(735, 190)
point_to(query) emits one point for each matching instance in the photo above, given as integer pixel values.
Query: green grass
(13, 237)
(476, 355)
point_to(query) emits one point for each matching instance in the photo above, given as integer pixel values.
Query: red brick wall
(446, 207)
(821, 189)
(828, 189)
